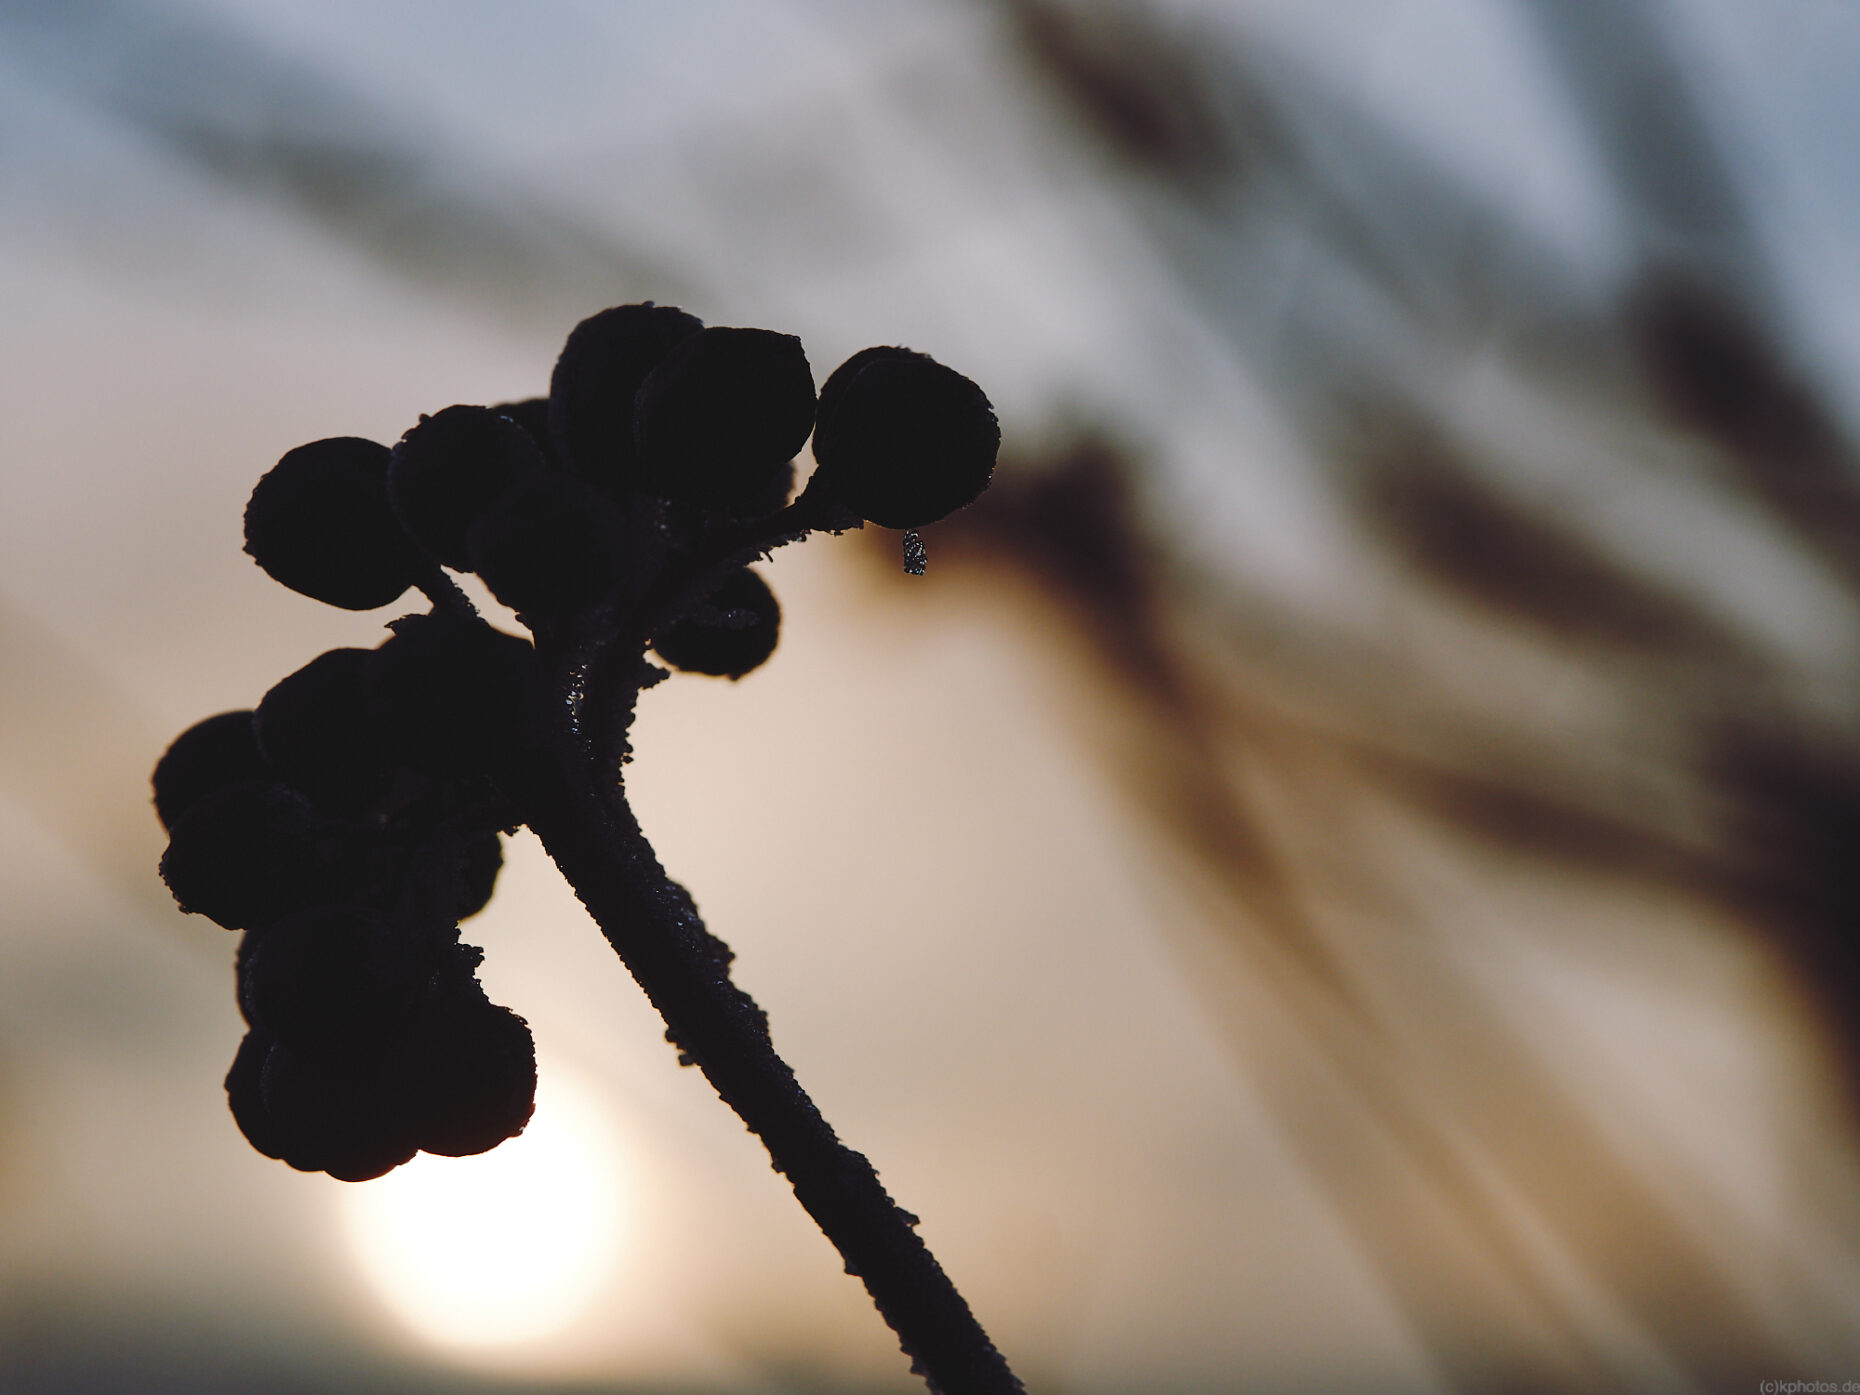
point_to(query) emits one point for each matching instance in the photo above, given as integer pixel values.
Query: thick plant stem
(654, 927)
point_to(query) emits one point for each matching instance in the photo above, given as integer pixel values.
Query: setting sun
(508, 1246)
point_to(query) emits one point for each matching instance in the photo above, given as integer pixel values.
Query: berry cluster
(348, 868)
(349, 823)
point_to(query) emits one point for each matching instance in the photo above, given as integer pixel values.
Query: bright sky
(1034, 1075)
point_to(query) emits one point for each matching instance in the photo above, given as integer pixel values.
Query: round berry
(452, 697)
(450, 875)
(770, 499)
(734, 631)
(480, 860)
(546, 547)
(901, 440)
(591, 392)
(532, 414)
(244, 1095)
(331, 1117)
(249, 856)
(209, 756)
(718, 420)
(333, 980)
(319, 522)
(449, 469)
(244, 856)
(465, 1075)
(313, 728)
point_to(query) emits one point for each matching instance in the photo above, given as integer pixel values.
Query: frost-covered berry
(734, 631)
(452, 697)
(313, 728)
(720, 418)
(447, 470)
(547, 546)
(208, 757)
(319, 522)
(901, 440)
(591, 392)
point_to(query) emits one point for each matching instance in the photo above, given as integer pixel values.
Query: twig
(653, 926)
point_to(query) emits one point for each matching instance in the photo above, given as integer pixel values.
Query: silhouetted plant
(350, 822)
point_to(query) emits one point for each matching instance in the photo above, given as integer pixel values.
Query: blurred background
(1340, 878)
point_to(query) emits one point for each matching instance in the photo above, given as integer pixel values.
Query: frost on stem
(349, 824)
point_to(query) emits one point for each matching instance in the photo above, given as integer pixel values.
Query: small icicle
(914, 559)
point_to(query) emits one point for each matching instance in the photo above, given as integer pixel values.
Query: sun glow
(508, 1246)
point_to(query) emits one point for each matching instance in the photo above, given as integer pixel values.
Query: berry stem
(445, 594)
(606, 672)
(653, 926)
(690, 580)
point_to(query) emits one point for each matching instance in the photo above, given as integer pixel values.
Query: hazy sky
(231, 226)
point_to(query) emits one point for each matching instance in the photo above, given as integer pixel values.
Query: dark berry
(591, 393)
(532, 414)
(449, 469)
(244, 1094)
(245, 856)
(901, 440)
(425, 806)
(465, 1075)
(453, 697)
(209, 756)
(332, 1117)
(319, 522)
(721, 416)
(313, 728)
(450, 875)
(734, 631)
(770, 499)
(546, 548)
(334, 980)
(480, 860)
(248, 856)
